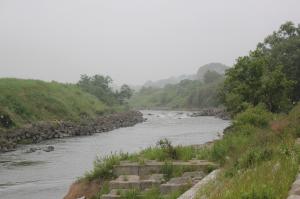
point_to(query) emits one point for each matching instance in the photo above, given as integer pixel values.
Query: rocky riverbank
(40, 131)
(216, 112)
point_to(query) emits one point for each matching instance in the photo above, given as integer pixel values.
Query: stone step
(195, 176)
(192, 192)
(175, 184)
(139, 185)
(133, 182)
(114, 193)
(150, 167)
(110, 196)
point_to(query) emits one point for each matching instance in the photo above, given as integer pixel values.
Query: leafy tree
(98, 86)
(283, 48)
(269, 75)
(211, 76)
(124, 94)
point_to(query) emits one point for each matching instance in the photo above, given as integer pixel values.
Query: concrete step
(133, 182)
(192, 192)
(114, 193)
(151, 167)
(175, 184)
(110, 196)
(196, 176)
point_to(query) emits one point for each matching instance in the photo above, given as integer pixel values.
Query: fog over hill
(217, 67)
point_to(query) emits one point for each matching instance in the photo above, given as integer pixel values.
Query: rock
(5, 121)
(40, 131)
(216, 112)
(49, 149)
(31, 150)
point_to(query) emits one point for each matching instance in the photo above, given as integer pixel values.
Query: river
(48, 175)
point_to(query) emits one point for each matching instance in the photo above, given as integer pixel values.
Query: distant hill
(217, 67)
(186, 91)
(171, 80)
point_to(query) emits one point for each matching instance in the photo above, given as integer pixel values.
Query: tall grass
(259, 161)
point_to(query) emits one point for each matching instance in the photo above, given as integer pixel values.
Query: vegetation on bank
(100, 87)
(269, 75)
(163, 151)
(259, 156)
(186, 94)
(28, 101)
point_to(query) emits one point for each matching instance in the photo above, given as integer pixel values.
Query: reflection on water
(48, 175)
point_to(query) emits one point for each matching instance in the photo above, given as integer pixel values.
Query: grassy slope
(27, 101)
(259, 157)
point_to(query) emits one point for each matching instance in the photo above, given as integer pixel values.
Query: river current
(48, 175)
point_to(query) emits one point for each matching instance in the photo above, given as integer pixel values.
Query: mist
(132, 41)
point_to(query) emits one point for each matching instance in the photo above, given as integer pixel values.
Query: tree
(98, 86)
(283, 48)
(269, 75)
(124, 94)
(211, 76)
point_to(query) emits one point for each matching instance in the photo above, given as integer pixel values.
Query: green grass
(259, 157)
(28, 101)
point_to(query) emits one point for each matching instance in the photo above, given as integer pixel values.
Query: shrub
(167, 148)
(253, 157)
(167, 170)
(256, 116)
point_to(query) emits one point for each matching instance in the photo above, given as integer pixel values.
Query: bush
(168, 149)
(167, 170)
(254, 157)
(256, 116)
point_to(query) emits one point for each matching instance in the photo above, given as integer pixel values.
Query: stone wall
(40, 131)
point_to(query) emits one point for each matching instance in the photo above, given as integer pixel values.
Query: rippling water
(48, 175)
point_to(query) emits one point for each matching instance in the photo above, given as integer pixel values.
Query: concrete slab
(192, 193)
(294, 197)
(151, 167)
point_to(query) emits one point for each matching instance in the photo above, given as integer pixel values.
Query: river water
(42, 175)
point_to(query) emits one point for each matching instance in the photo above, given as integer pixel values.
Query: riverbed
(48, 175)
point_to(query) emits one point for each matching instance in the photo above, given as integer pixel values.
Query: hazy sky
(131, 40)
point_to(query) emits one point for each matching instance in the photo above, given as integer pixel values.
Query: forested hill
(201, 92)
(217, 67)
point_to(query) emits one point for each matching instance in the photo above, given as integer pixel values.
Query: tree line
(100, 86)
(268, 76)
